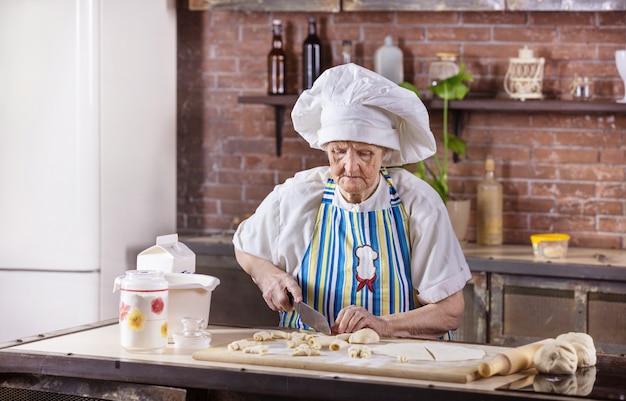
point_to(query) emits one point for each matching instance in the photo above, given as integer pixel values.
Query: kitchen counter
(580, 263)
(93, 353)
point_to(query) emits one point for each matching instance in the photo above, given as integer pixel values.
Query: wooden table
(92, 353)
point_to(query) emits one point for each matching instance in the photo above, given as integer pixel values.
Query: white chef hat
(352, 103)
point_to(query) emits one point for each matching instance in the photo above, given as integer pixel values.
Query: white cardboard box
(168, 255)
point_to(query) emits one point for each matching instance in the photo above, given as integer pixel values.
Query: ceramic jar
(143, 310)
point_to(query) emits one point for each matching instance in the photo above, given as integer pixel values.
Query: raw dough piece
(440, 352)
(239, 345)
(343, 336)
(299, 336)
(446, 352)
(320, 342)
(583, 344)
(556, 357)
(279, 334)
(405, 352)
(338, 344)
(262, 336)
(360, 351)
(256, 349)
(364, 336)
(305, 350)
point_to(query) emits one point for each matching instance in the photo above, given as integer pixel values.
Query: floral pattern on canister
(136, 319)
(124, 309)
(157, 305)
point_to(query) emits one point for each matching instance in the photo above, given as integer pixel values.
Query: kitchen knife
(310, 316)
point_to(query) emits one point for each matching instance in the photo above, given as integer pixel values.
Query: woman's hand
(273, 282)
(428, 322)
(353, 318)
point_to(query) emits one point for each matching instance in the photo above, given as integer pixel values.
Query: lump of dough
(360, 351)
(239, 345)
(305, 349)
(262, 336)
(320, 342)
(343, 336)
(338, 344)
(556, 357)
(364, 336)
(583, 344)
(279, 334)
(256, 349)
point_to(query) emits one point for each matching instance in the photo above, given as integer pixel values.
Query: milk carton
(168, 255)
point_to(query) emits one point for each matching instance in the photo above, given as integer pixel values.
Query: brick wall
(561, 172)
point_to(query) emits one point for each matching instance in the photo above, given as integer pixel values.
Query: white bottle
(388, 61)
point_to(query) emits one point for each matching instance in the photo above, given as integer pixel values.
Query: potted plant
(435, 169)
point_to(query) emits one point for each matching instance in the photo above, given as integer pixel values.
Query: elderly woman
(358, 240)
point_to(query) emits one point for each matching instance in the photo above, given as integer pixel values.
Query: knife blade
(310, 316)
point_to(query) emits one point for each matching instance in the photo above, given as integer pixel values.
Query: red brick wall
(561, 172)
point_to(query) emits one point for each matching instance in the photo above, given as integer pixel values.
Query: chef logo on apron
(365, 269)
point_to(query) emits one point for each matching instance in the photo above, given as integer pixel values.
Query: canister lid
(179, 281)
(192, 336)
(537, 238)
(143, 280)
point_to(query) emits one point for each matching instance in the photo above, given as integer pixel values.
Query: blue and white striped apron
(356, 258)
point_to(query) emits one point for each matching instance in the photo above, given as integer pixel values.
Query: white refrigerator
(87, 153)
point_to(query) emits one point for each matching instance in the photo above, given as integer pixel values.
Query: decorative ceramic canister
(143, 310)
(524, 77)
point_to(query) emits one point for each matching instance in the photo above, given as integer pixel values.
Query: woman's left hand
(353, 318)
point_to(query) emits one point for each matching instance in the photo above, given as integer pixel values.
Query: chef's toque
(352, 103)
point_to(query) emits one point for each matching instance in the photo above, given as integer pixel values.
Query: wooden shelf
(534, 106)
(279, 102)
(458, 107)
(270, 100)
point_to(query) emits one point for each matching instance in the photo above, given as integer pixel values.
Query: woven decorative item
(524, 77)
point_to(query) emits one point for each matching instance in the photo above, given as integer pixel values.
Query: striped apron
(356, 258)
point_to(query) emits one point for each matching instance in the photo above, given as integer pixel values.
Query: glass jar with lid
(444, 67)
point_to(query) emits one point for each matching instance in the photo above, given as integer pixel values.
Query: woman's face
(355, 168)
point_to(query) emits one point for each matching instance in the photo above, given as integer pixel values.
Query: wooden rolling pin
(511, 361)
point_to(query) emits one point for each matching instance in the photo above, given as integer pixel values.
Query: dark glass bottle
(276, 62)
(311, 56)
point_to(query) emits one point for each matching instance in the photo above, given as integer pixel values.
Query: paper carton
(168, 255)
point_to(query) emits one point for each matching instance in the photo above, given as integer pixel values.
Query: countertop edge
(479, 260)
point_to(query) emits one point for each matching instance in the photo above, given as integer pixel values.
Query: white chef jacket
(282, 227)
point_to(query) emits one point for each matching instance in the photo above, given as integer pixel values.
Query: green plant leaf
(457, 145)
(453, 88)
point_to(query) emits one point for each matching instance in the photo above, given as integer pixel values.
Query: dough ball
(556, 357)
(583, 344)
(364, 336)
